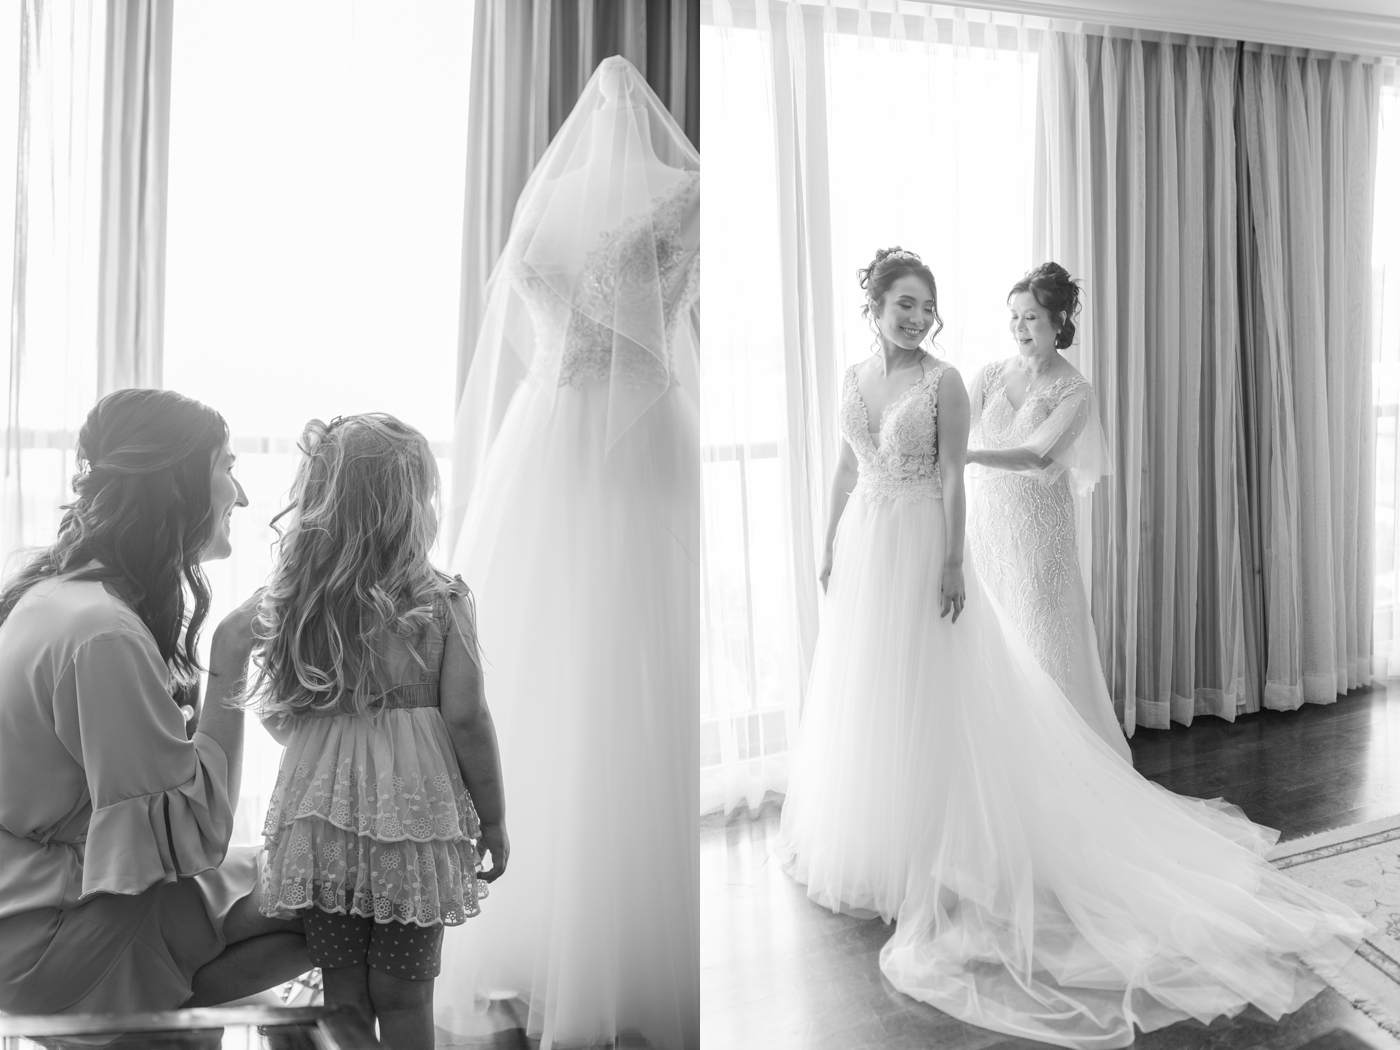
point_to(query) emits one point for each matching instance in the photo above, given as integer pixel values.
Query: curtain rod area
(1261, 23)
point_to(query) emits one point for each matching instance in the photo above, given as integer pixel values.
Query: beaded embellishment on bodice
(904, 462)
(620, 272)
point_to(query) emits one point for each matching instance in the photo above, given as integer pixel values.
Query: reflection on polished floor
(779, 972)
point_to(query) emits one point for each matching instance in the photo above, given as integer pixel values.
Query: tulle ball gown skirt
(1040, 886)
(587, 599)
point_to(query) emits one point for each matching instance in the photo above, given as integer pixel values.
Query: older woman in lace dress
(1035, 428)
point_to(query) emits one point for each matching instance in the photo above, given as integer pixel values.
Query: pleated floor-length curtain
(51, 373)
(135, 161)
(1385, 287)
(768, 401)
(1311, 127)
(530, 59)
(1137, 199)
(86, 301)
(1216, 199)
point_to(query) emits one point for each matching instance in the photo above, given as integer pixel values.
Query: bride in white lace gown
(578, 444)
(1035, 428)
(1041, 887)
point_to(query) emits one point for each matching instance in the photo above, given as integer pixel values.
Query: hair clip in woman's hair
(314, 432)
(900, 253)
(335, 422)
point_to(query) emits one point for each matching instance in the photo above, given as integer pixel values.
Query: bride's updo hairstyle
(1056, 291)
(888, 266)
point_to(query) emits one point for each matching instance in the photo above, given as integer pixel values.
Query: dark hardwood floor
(777, 971)
(1323, 766)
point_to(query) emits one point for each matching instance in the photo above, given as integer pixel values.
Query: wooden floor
(777, 971)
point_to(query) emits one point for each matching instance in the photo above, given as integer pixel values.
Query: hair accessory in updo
(314, 433)
(1056, 291)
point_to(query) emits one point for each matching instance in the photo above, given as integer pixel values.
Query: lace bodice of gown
(1021, 528)
(615, 290)
(903, 462)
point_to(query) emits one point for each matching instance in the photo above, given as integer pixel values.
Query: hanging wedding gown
(1020, 530)
(578, 442)
(1041, 887)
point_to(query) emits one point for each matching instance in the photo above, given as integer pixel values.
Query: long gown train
(1040, 886)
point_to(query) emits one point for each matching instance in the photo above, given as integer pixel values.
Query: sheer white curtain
(1310, 125)
(1137, 200)
(51, 375)
(830, 130)
(1227, 330)
(1385, 282)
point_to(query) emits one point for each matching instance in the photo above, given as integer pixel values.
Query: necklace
(1032, 378)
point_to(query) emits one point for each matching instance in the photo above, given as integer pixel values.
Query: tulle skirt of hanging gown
(1041, 887)
(588, 618)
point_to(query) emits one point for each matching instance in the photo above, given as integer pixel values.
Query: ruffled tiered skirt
(372, 819)
(1041, 887)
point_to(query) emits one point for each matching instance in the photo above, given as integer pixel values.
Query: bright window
(317, 174)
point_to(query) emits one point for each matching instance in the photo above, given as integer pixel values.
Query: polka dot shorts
(399, 949)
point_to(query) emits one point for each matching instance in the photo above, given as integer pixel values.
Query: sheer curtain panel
(1385, 281)
(135, 163)
(51, 375)
(1137, 199)
(831, 130)
(1310, 123)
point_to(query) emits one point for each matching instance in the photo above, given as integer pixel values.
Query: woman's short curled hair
(1055, 290)
(888, 266)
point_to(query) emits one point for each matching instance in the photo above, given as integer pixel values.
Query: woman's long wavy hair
(352, 564)
(145, 462)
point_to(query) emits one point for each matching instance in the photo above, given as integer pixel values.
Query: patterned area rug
(1359, 866)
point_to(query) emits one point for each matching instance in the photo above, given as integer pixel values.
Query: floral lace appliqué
(620, 275)
(905, 463)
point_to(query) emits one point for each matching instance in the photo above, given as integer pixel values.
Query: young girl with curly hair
(367, 670)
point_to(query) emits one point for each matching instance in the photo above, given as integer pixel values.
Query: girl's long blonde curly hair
(352, 565)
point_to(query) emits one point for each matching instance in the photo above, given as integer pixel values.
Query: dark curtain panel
(660, 37)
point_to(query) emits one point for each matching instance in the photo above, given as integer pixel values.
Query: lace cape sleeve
(977, 397)
(1073, 439)
(983, 384)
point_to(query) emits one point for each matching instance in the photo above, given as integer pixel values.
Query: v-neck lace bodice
(1004, 425)
(904, 461)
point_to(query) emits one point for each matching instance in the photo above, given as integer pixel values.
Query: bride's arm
(1008, 458)
(954, 415)
(842, 482)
